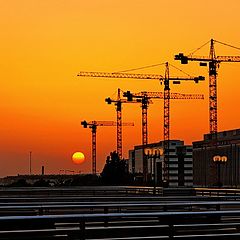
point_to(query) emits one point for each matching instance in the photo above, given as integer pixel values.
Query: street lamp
(154, 153)
(219, 160)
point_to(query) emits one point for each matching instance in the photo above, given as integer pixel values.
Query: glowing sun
(78, 157)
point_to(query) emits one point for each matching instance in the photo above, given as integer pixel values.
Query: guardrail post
(171, 231)
(40, 211)
(105, 220)
(82, 230)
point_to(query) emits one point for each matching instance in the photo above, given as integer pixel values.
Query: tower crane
(163, 79)
(146, 96)
(118, 103)
(213, 64)
(93, 125)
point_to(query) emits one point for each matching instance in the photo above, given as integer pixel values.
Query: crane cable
(198, 48)
(225, 44)
(144, 67)
(154, 65)
(228, 45)
(179, 70)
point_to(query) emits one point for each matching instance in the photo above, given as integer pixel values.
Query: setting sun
(78, 157)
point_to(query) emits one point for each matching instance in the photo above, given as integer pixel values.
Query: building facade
(180, 167)
(207, 172)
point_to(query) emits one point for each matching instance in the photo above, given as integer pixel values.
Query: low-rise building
(179, 167)
(207, 172)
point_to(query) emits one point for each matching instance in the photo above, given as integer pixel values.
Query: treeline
(115, 172)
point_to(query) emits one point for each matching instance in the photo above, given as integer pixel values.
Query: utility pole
(30, 163)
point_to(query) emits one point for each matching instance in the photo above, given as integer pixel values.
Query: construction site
(119, 120)
(169, 162)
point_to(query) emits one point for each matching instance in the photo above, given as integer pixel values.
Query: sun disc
(78, 157)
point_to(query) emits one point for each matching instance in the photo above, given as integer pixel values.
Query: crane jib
(137, 76)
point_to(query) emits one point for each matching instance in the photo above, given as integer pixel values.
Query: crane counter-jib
(182, 57)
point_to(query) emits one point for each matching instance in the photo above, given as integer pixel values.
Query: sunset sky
(45, 43)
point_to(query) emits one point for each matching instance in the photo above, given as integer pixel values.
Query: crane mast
(119, 125)
(118, 103)
(213, 65)
(93, 125)
(145, 101)
(166, 127)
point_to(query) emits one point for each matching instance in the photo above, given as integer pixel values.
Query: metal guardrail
(115, 191)
(84, 191)
(131, 216)
(41, 209)
(171, 222)
(218, 192)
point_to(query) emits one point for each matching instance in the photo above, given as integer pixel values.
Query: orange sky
(44, 44)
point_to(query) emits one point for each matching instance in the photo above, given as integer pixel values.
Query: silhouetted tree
(85, 180)
(115, 171)
(20, 183)
(41, 183)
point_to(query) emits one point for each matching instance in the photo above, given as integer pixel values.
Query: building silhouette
(180, 164)
(205, 171)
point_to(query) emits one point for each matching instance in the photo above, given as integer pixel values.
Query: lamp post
(154, 153)
(219, 160)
